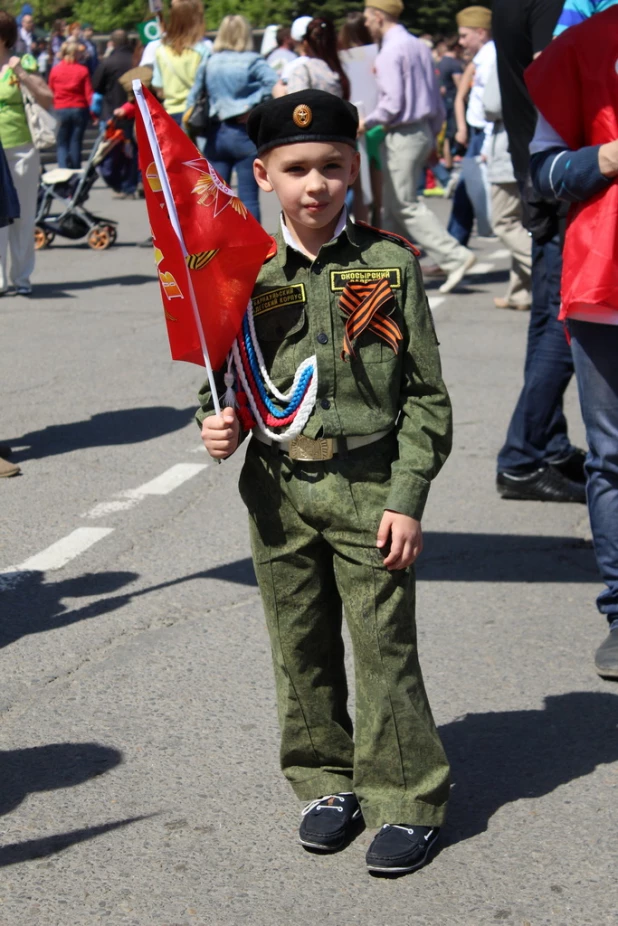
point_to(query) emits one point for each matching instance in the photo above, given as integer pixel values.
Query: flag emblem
(211, 189)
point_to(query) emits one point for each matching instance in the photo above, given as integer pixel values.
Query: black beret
(309, 115)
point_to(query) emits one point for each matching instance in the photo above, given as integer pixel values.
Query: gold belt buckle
(303, 448)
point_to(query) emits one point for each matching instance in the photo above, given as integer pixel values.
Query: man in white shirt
(26, 31)
(284, 52)
(297, 34)
(474, 25)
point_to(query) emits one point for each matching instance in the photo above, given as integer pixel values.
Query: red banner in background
(225, 246)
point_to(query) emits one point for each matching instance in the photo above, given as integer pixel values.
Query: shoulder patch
(272, 251)
(391, 236)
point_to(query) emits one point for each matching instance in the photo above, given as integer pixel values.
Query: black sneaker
(543, 485)
(398, 849)
(329, 821)
(606, 657)
(571, 466)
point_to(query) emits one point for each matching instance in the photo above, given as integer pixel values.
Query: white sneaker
(449, 189)
(457, 275)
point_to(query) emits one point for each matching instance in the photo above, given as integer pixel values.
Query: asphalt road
(139, 779)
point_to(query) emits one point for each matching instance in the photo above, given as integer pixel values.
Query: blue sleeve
(262, 73)
(573, 13)
(573, 176)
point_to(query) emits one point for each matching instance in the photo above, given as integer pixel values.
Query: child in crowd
(335, 512)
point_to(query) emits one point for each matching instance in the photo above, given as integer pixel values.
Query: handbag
(42, 125)
(198, 122)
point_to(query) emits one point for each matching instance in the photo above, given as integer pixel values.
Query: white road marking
(200, 449)
(500, 254)
(435, 302)
(480, 269)
(167, 481)
(62, 552)
(104, 508)
(162, 485)
(82, 538)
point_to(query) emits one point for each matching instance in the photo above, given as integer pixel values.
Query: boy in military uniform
(335, 513)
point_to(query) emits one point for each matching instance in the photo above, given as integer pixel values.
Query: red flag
(206, 242)
(574, 85)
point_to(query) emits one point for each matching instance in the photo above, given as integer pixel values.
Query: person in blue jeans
(582, 171)
(236, 79)
(72, 124)
(537, 461)
(228, 148)
(70, 83)
(474, 29)
(461, 221)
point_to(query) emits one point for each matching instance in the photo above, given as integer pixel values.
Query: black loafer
(606, 657)
(571, 466)
(329, 822)
(398, 849)
(543, 485)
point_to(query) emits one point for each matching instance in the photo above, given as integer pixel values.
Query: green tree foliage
(103, 15)
(419, 15)
(258, 12)
(45, 11)
(262, 12)
(435, 16)
(106, 15)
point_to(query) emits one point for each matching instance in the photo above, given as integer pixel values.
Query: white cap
(269, 40)
(299, 27)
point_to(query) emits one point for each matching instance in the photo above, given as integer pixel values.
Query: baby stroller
(63, 192)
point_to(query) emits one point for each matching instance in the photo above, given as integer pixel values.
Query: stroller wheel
(42, 238)
(113, 232)
(100, 238)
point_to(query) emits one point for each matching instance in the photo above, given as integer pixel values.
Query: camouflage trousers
(313, 533)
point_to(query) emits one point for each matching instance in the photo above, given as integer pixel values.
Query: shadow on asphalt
(66, 287)
(464, 557)
(32, 605)
(45, 768)
(501, 757)
(49, 845)
(107, 429)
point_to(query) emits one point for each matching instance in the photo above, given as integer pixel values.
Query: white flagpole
(171, 209)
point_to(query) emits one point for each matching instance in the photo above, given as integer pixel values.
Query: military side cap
(309, 115)
(474, 17)
(394, 8)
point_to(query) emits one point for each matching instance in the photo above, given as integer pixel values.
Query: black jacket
(105, 79)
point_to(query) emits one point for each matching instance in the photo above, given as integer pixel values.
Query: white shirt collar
(289, 240)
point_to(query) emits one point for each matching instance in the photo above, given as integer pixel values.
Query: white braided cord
(305, 408)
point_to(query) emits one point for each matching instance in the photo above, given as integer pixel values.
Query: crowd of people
(447, 115)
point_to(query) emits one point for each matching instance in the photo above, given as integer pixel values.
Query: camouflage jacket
(297, 314)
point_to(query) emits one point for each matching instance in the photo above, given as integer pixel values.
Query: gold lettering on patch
(277, 298)
(339, 278)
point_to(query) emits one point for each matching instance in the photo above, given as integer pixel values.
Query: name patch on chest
(277, 298)
(339, 278)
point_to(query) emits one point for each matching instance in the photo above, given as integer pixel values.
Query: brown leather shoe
(8, 469)
(501, 303)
